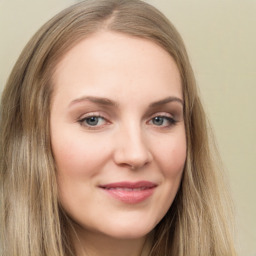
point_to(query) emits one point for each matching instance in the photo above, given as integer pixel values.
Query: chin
(129, 232)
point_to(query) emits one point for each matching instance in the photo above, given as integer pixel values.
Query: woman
(104, 144)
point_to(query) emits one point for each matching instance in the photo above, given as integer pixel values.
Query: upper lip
(128, 184)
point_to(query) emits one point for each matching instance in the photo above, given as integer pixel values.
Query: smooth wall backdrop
(220, 37)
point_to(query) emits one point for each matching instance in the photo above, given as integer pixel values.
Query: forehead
(114, 61)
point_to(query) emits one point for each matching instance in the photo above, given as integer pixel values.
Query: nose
(131, 149)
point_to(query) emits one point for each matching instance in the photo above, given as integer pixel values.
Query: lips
(130, 192)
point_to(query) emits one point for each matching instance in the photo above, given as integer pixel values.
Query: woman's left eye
(163, 121)
(93, 121)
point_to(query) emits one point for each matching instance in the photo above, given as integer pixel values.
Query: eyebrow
(165, 101)
(97, 100)
(107, 102)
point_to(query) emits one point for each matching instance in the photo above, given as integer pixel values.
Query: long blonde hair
(32, 222)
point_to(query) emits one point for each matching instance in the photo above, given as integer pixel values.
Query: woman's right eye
(93, 121)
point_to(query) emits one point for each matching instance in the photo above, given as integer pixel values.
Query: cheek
(77, 161)
(172, 156)
(177, 160)
(75, 154)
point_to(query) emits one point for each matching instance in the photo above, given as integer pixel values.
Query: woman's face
(117, 134)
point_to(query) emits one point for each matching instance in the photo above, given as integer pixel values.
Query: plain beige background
(220, 37)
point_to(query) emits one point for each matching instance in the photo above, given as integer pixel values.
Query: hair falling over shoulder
(199, 222)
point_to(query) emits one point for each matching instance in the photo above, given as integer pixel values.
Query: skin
(132, 139)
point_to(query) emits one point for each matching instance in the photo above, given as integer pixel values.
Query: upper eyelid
(91, 114)
(174, 114)
(106, 113)
(162, 114)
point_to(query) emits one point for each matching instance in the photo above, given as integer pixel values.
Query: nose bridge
(132, 149)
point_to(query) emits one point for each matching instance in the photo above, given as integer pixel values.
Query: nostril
(131, 150)
(132, 162)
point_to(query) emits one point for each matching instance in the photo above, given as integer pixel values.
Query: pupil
(158, 120)
(92, 120)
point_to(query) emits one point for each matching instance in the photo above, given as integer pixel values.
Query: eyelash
(83, 122)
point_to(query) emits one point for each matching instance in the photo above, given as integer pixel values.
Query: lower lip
(132, 196)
